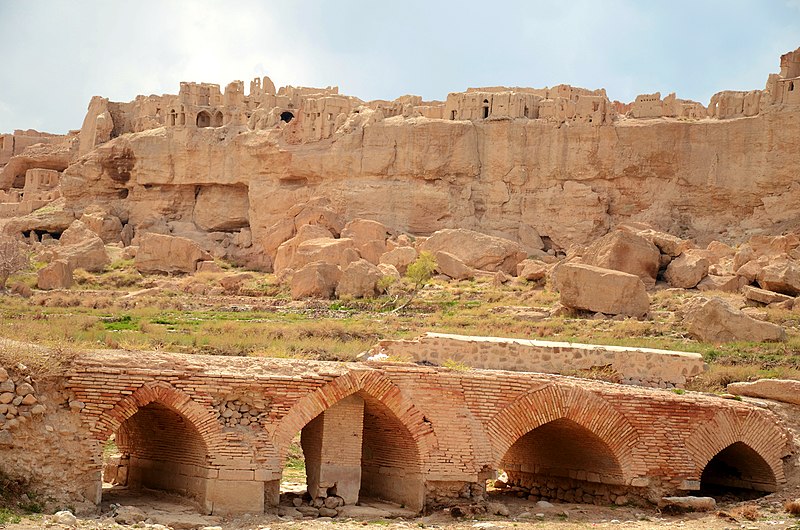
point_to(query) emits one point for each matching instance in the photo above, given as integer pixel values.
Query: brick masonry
(424, 434)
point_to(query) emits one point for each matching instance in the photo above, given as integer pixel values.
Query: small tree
(12, 259)
(418, 274)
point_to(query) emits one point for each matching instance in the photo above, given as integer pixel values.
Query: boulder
(82, 248)
(359, 280)
(750, 270)
(316, 280)
(688, 504)
(56, 275)
(107, 227)
(714, 320)
(389, 270)
(785, 390)
(596, 289)
(728, 284)
(780, 276)
(529, 238)
(668, 244)
(160, 253)
(763, 296)
(339, 252)
(625, 251)
(284, 256)
(531, 270)
(369, 237)
(687, 270)
(451, 266)
(476, 250)
(400, 258)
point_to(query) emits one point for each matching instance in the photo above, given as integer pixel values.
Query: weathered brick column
(332, 447)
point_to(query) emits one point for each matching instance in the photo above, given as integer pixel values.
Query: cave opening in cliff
(287, 116)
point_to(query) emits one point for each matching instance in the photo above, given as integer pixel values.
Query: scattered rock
(531, 270)
(625, 251)
(477, 250)
(691, 504)
(359, 279)
(714, 320)
(687, 270)
(65, 517)
(400, 258)
(160, 253)
(728, 284)
(596, 289)
(317, 280)
(56, 275)
(785, 390)
(451, 266)
(763, 296)
(781, 276)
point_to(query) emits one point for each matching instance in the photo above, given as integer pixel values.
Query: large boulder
(532, 270)
(159, 253)
(339, 252)
(668, 244)
(714, 320)
(687, 270)
(108, 227)
(56, 275)
(476, 250)
(728, 283)
(763, 296)
(359, 280)
(786, 390)
(82, 248)
(284, 256)
(451, 266)
(601, 290)
(369, 237)
(625, 251)
(316, 280)
(780, 276)
(400, 258)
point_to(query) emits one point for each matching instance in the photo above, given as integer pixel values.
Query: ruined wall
(458, 425)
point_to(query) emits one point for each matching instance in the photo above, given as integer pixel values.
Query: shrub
(12, 259)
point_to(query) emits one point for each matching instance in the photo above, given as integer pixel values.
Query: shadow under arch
(738, 451)
(165, 440)
(561, 442)
(394, 439)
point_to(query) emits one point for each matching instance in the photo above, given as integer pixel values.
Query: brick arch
(371, 383)
(201, 418)
(728, 427)
(544, 405)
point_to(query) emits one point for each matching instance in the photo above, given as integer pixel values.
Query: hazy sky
(58, 53)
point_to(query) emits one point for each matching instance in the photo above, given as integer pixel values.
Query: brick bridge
(218, 429)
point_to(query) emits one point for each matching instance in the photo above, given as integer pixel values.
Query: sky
(59, 53)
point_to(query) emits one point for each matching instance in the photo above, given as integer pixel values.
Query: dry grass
(197, 315)
(793, 507)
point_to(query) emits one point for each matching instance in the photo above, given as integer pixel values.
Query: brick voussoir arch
(376, 386)
(728, 427)
(553, 402)
(203, 419)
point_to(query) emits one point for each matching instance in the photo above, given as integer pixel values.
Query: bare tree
(12, 259)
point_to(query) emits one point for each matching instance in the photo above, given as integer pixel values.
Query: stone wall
(632, 366)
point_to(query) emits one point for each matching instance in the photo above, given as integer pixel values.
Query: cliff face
(561, 163)
(569, 182)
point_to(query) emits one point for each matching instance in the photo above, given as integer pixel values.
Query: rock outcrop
(476, 250)
(159, 253)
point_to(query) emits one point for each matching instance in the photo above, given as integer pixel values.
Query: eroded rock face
(714, 320)
(601, 290)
